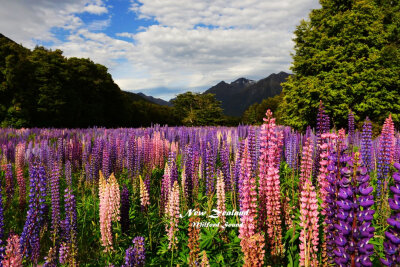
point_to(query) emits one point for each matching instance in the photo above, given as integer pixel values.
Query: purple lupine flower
(189, 174)
(106, 163)
(384, 156)
(68, 172)
(29, 242)
(392, 241)
(366, 145)
(252, 150)
(55, 200)
(70, 226)
(331, 198)
(226, 172)
(354, 224)
(210, 171)
(125, 206)
(135, 256)
(351, 128)
(2, 243)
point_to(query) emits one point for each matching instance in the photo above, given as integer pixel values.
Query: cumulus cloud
(192, 44)
(25, 21)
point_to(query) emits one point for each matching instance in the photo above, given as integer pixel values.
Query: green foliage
(256, 112)
(194, 109)
(348, 56)
(42, 88)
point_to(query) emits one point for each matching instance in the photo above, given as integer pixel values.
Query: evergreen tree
(347, 55)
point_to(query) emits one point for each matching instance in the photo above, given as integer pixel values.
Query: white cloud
(25, 21)
(95, 9)
(194, 44)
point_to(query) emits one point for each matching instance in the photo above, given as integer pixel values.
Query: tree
(195, 109)
(348, 56)
(256, 112)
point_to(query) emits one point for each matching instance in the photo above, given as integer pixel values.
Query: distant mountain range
(158, 101)
(237, 96)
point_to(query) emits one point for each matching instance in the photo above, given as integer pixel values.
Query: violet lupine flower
(29, 241)
(135, 256)
(55, 201)
(366, 145)
(354, 215)
(392, 241)
(125, 206)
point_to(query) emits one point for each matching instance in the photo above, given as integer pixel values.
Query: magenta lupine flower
(309, 225)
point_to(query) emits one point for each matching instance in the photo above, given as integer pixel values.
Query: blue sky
(164, 47)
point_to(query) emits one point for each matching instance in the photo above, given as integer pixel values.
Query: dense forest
(42, 88)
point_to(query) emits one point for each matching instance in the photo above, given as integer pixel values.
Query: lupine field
(208, 196)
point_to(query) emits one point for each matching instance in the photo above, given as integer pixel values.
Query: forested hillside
(42, 88)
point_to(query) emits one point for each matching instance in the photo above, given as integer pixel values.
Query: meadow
(201, 196)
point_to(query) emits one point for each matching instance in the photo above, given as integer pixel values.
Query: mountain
(237, 96)
(158, 101)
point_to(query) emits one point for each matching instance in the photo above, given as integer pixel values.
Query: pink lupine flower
(144, 195)
(328, 141)
(309, 226)
(221, 198)
(306, 162)
(19, 168)
(248, 197)
(13, 256)
(172, 212)
(253, 250)
(270, 202)
(109, 208)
